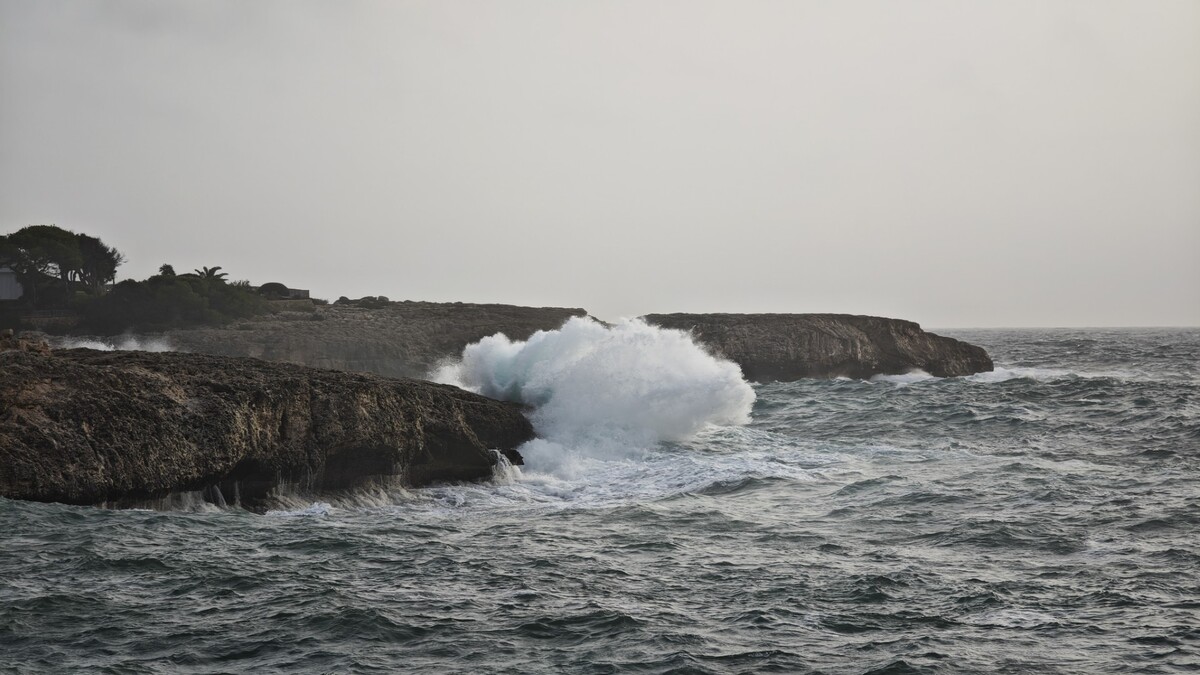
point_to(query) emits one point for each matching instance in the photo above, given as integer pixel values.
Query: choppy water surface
(1042, 518)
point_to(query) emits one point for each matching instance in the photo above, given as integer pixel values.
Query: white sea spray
(604, 392)
(122, 343)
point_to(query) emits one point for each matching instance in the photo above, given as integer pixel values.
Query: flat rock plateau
(400, 339)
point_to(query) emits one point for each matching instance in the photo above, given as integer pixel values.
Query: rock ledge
(793, 346)
(85, 427)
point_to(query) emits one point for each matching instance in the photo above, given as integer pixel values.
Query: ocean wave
(1004, 374)
(125, 343)
(604, 392)
(315, 509)
(911, 377)
(860, 527)
(663, 472)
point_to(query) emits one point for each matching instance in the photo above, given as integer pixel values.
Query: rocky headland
(409, 339)
(794, 346)
(80, 426)
(86, 427)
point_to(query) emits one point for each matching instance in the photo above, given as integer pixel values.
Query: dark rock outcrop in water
(84, 427)
(401, 339)
(793, 346)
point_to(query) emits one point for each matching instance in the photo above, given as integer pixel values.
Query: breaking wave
(605, 392)
(125, 343)
(906, 379)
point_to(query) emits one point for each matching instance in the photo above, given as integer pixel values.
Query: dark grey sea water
(1042, 518)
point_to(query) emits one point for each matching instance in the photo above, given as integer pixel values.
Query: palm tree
(211, 273)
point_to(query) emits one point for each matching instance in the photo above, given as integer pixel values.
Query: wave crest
(627, 385)
(123, 343)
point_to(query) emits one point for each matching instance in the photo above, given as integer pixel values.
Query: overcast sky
(984, 163)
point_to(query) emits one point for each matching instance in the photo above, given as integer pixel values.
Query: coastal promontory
(794, 346)
(410, 339)
(80, 426)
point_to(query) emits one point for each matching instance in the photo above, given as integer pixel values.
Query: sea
(672, 518)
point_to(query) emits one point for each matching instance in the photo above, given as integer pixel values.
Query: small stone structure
(276, 291)
(10, 287)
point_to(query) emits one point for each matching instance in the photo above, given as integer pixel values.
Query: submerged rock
(83, 427)
(793, 346)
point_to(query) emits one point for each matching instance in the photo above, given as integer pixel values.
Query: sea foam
(123, 343)
(604, 392)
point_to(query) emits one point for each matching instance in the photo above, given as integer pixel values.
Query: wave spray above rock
(603, 391)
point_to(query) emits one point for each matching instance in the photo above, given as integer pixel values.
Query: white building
(10, 288)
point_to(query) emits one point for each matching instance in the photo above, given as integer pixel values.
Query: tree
(42, 251)
(166, 271)
(211, 273)
(98, 263)
(44, 254)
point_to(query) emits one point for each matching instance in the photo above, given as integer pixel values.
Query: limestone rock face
(83, 427)
(793, 346)
(401, 339)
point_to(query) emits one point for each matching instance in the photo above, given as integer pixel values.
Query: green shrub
(164, 302)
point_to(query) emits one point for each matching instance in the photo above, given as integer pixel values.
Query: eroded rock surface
(402, 339)
(793, 346)
(83, 427)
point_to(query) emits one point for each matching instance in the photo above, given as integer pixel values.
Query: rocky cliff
(84, 427)
(408, 339)
(401, 339)
(793, 346)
